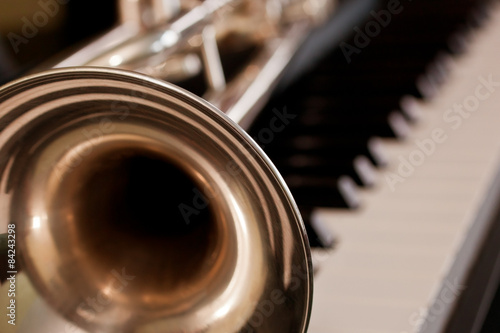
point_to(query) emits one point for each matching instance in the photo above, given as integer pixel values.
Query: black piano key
(409, 108)
(318, 234)
(459, 41)
(479, 15)
(393, 125)
(376, 103)
(360, 169)
(323, 191)
(373, 104)
(340, 147)
(367, 84)
(440, 67)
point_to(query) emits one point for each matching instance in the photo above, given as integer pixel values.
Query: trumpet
(130, 204)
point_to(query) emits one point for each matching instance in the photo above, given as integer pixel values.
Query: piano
(394, 159)
(390, 144)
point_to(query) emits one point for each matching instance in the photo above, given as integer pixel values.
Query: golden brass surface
(141, 207)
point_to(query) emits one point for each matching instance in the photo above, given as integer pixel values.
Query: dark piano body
(347, 87)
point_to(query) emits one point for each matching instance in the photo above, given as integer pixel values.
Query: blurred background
(69, 24)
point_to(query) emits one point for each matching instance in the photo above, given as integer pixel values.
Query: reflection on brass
(140, 207)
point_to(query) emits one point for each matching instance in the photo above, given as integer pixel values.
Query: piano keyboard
(401, 258)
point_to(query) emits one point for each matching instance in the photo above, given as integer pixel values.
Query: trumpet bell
(139, 207)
